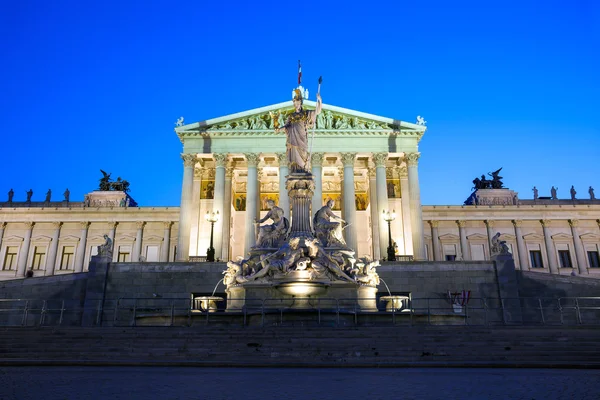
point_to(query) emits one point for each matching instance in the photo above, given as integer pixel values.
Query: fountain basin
(302, 292)
(207, 303)
(395, 303)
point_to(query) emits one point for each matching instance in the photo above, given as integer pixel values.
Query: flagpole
(315, 125)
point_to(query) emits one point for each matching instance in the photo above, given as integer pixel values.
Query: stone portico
(365, 163)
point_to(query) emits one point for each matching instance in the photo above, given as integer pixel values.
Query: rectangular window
(67, 258)
(152, 253)
(123, 256)
(536, 259)
(39, 258)
(450, 257)
(478, 252)
(593, 259)
(10, 259)
(564, 257)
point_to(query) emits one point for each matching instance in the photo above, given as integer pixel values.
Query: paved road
(49, 383)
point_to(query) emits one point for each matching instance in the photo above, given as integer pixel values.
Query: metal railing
(563, 311)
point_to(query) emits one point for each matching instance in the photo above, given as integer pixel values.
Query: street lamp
(211, 217)
(389, 217)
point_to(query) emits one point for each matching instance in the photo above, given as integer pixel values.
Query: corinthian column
(374, 215)
(317, 171)
(552, 263)
(284, 198)
(435, 238)
(579, 253)
(464, 246)
(166, 244)
(521, 249)
(219, 198)
(51, 260)
(416, 215)
(227, 214)
(349, 202)
(185, 212)
(382, 200)
(137, 246)
(24, 253)
(251, 194)
(80, 256)
(406, 227)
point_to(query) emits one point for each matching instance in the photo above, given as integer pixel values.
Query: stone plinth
(495, 197)
(108, 198)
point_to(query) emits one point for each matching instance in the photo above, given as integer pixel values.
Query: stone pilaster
(405, 194)
(80, 256)
(349, 199)
(489, 226)
(24, 253)
(53, 250)
(137, 246)
(2, 227)
(185, 211)
(416, 214)
(374, 215)
(317, 171)
(550, 253)
(521, 248)
(284, 198)
(579, 251)
(464, 245)
(219, 201)
(166, 244)
(379, 159)
(227, 215)
(251, 194)
(435, 238)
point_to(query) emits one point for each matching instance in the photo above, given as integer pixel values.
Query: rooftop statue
(48, 196)
(573, 193)
(494, 183)
(67, 194)
(179, 122)
(421, 120)
(535, 193)
(553, 193)
(591, 192)
(29, 195)
(11, 194)
(106, 185)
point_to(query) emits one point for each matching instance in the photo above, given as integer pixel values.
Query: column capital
(220, 159)
(379, 159)
(140, 224)
(282, 159)
(167, 224)
(57, 224)
(348, 159)
(545, 223)
(2, 225)
(433, 223)
(461, 223)
(252, 159)
(517, 223)
(573, 223)
(402, 171)
(372, 172)
(489, 223)
(84, 224)
(317, 159)
(412, 159)
(189, 160)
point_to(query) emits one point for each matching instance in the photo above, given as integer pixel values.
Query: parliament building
(233, 164)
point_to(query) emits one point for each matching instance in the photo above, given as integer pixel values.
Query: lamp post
(211, 217)
(389, 217)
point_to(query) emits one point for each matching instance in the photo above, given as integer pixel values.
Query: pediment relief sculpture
(326, 121)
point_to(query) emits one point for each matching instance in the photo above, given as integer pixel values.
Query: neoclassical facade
(233, 164)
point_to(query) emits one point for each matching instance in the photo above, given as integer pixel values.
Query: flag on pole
(299, 73)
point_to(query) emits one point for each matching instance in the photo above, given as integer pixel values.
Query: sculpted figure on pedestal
(273, 235)
(498, 246)
(329, 227)
(366, 271)
(296, 129)
(535, 193)
(553, 193)
(67, 194)
(48, 196)
(281, 261)
(591, 192)
(106, 249)
(29, 194)
(324, 262)
(573, 193)
(11, 194)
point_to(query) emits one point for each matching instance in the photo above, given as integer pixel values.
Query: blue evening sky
(89, 85)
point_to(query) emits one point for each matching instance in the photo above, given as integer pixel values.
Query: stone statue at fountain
(272, 235)
(329, 227)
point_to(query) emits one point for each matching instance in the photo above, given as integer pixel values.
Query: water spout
(221, 280)
(386, 286)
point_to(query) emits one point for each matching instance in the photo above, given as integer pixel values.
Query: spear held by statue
(315, 124)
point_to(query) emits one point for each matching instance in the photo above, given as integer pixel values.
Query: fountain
(207, 303)
(394, 303)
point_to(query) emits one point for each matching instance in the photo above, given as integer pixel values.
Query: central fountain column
(301, 188)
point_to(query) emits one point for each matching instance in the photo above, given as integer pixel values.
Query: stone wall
(535, 284)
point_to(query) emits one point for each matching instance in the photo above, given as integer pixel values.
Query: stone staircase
(293, 346)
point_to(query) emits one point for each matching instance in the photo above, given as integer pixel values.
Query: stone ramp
(576, 347)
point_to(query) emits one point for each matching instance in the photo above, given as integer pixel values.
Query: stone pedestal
(367, 298)
(236, 297)
(495, 197)
(301, 188)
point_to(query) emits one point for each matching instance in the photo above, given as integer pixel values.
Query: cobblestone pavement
(49, 383)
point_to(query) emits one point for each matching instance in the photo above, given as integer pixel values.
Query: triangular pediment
(590, 237)
(477, 236)
(264, 120)
(449, 237)
(561, 236)
(533, 236)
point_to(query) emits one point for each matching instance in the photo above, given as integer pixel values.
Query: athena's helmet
(298, 94)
